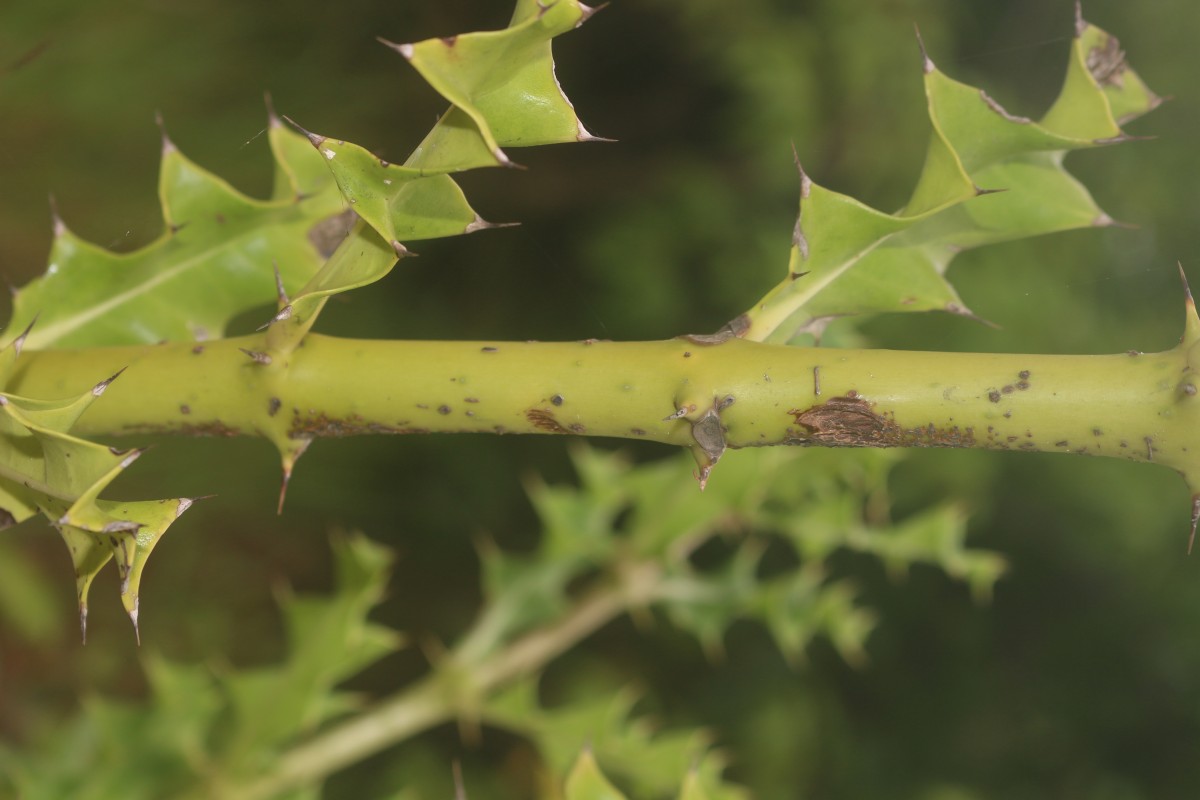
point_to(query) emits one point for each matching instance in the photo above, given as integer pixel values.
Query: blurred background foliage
(1080, 678)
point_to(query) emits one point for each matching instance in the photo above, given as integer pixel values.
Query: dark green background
(1080, 680)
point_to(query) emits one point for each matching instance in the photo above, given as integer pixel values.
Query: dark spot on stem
(557, 400)
(273, 406)
(470, 399)
(185, 409)
(1023, 374)
(543, 419)
(489, 349)
(1007, 389)
(994, 396)
(1097, 432)
(443, 410)
(1022, 385)
(198, 349)
(637, 431)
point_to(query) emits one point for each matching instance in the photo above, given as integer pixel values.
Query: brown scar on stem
(544, 420)
(1149, 448)
(850, 421)
(212, 428)
(324, 426)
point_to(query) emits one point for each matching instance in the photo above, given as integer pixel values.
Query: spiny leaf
(44, 468)
(502, 87)
(212, 262)
(393, 204)
(847, 258)
(504, 93)
(330, 640)
(587, 782)
(187, 739)
(400, 203)
(649, 761)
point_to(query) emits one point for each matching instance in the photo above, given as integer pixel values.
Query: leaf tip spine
(273, 121)
(58, 226)
(927, 65)
(405, 50)
(1195, 520)
(99, 388)
(1191, 324)
(168, 147)
(587, 12)
(133, 617)
(315, 139)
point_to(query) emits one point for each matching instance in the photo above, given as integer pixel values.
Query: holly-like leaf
(989, 176)
(504, 94)
(43, 468)
(331, 639)
(214, 259)
(502, 88)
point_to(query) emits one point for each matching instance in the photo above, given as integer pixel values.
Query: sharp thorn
(315, 138)
(99, 388)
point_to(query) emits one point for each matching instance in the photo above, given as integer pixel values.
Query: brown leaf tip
(19, 342)
(273, 120)
(1195, 519)
(133, 616)
(315, 138)
(168, 146)
(405, 50)
(587, 12)
(60, 227)
(1080, 24)
(926, 62)
(99, 388)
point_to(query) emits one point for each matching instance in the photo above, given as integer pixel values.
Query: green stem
(704, 396)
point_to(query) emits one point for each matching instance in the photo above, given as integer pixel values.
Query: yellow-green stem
(704, 396)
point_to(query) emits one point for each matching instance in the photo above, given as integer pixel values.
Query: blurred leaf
(587, 782)
(330, 640)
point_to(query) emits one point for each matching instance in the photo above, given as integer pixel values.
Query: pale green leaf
(848, 259)
(502, 88)
(214, 260)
